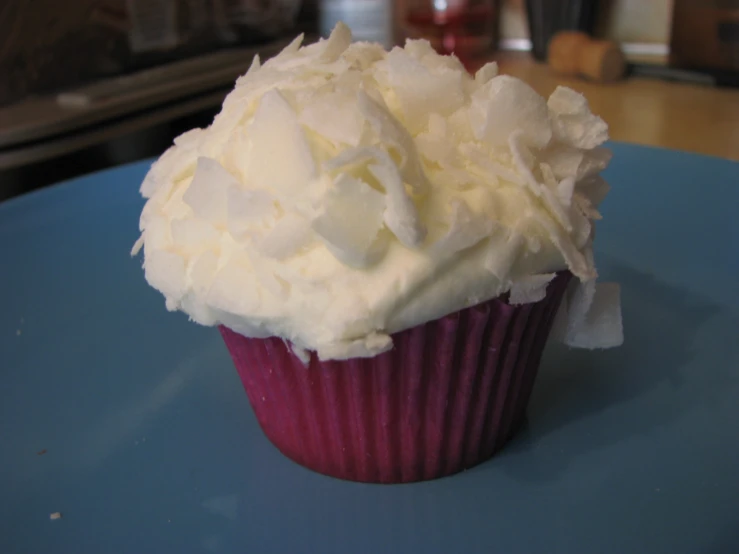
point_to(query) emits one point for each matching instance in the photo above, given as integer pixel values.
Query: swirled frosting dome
(345, 193)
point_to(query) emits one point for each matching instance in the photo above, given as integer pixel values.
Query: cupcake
(385, 243)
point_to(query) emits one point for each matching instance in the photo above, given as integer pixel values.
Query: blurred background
(88, 84)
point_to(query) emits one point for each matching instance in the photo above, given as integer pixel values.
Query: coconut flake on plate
(592, 317)
(604, 323)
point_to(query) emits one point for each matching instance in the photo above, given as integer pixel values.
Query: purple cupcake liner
(448, 395)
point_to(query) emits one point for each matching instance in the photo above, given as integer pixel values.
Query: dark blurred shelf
(43, 117)
(45, 139)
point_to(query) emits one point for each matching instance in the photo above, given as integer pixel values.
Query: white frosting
(345, 193)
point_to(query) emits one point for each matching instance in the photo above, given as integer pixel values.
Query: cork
(573, 53)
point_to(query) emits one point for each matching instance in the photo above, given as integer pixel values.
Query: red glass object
(467, 28)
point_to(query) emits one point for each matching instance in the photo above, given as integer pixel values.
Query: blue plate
(131, 422)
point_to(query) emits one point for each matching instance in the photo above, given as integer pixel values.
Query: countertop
(695, 118)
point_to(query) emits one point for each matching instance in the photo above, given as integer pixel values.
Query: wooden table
(681, 116)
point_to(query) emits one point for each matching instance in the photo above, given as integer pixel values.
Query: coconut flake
(337, 43)
(351, 219)
(256, 64)
(582, 229)
(291, 233)
(504, 105)
(419, 48)
(165, 271)
(247, 209)
(389, 131)
(366, 347)
(174, 164)
(503, 252)
(300, 353)
(602, 325)
(202, 271)
(157, 233)
(435, 149)
(289, 50)
(457, 178)
(401, 215)
(234, 288)
(594, 188)
(563, 160)
(466, 229)
(532, 288)
(351, 157)
(191, 236)
(593, 161)
(486, 73)
(490, 167)
(271, 282)
(576, 261)
(137, 245)
(524, 161)
(421, 90)
(555, 208)
(276, 135)
(362, 55)
(572, 121)
(548, 175)
(584, 206)
(206, 194)
(334, 116)
(434, 144)
(565, 188)
(189, 139)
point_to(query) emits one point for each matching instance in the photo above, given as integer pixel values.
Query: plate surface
(131, 422)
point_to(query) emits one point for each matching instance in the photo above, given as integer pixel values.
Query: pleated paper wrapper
(448, 395)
